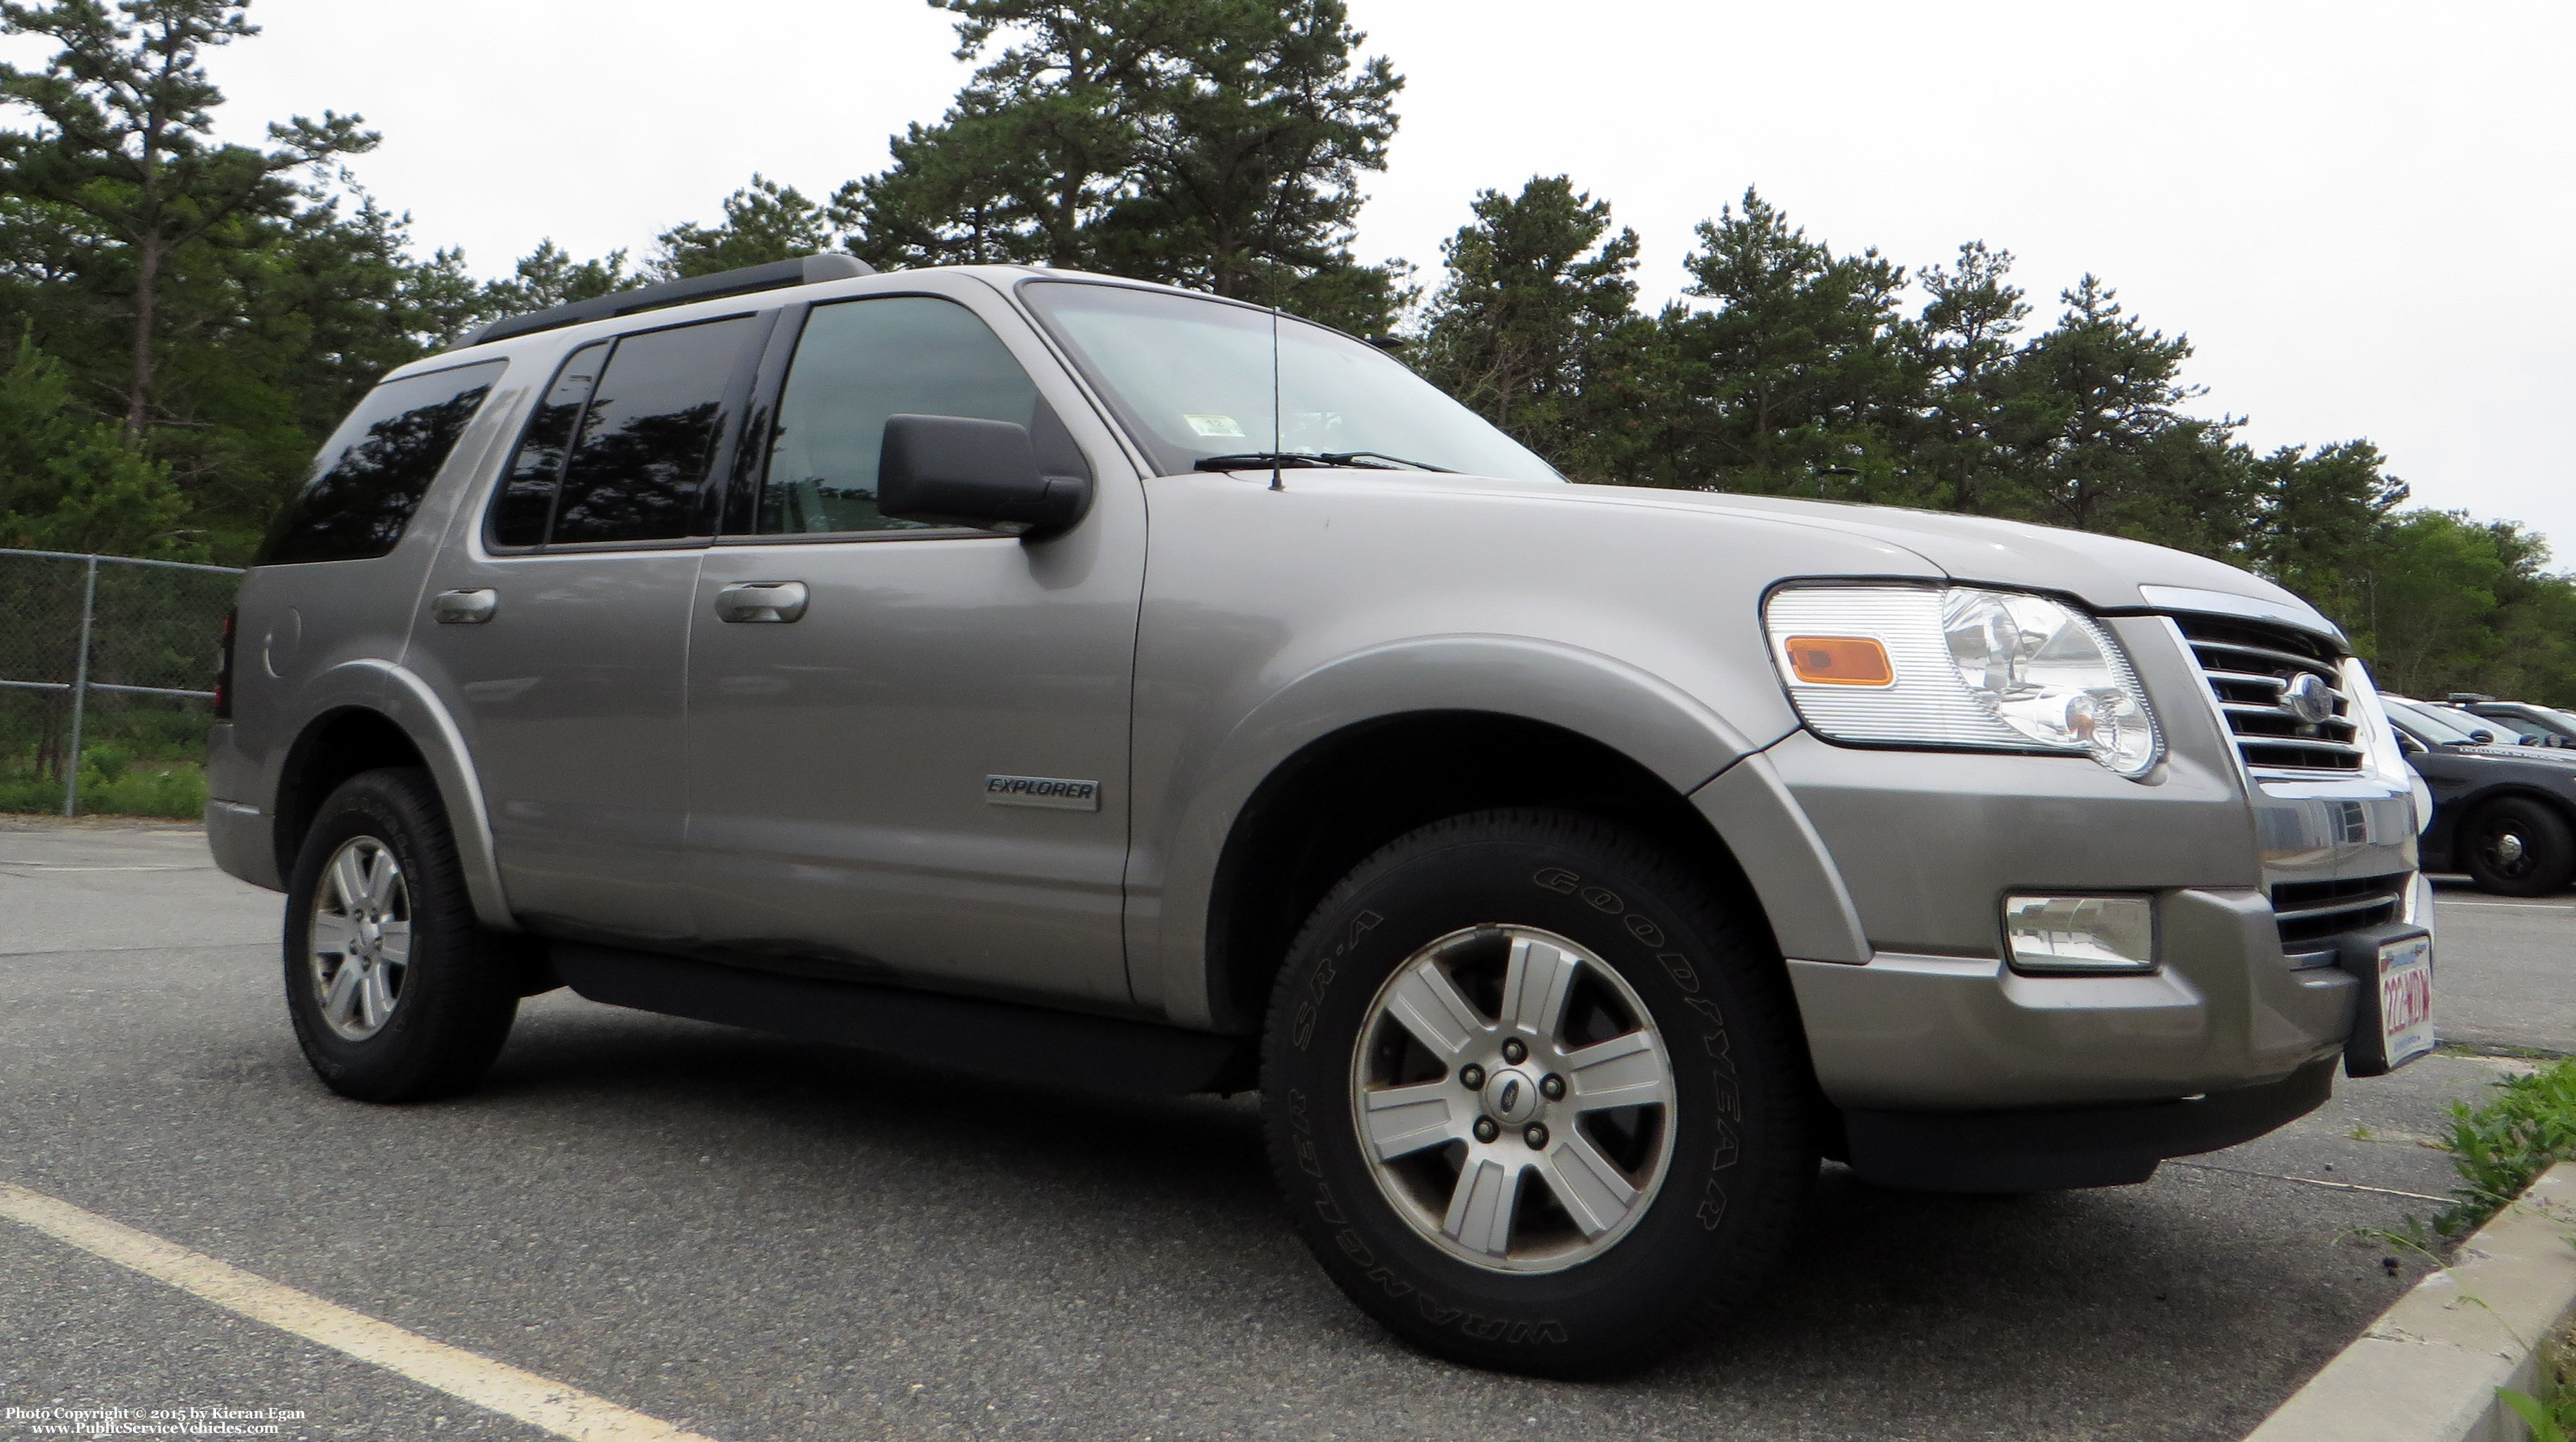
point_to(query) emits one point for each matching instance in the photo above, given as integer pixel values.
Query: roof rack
(777, 275)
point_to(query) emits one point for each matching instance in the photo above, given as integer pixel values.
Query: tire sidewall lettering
(1726, 1098)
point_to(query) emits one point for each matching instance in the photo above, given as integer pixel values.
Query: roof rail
(777, 275)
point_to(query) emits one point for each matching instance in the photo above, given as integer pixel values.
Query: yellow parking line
(564, 1411)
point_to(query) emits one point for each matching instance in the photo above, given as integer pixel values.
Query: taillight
(224, 672)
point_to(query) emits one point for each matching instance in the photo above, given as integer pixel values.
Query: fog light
(2081, 933)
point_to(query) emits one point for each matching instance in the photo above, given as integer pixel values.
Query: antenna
(1275, 436)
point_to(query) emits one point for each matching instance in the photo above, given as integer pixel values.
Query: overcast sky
(2359, 212)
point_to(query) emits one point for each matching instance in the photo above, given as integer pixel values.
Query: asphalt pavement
(757, 1239)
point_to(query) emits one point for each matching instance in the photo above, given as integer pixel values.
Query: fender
(1664, 729)
(1811, 911)
(403, 698)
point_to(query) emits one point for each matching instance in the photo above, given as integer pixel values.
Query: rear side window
(857, 363)
(649, 433)
(372, 473)
(526, 499)
(620, 447)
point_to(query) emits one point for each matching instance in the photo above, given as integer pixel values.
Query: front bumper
(1925, 845)
(1932, 1033)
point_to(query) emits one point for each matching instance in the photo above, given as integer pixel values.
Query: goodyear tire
(395, 992)
(1537, 1097)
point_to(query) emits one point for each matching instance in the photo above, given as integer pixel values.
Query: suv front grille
(2311, 914)
(2249, 664)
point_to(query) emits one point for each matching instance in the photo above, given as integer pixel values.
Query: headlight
(1960, 667)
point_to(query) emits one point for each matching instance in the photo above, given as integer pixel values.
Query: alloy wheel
(359, 941)
(1513, 1099)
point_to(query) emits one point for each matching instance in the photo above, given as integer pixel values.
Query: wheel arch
(405, 726)
(1334, 801)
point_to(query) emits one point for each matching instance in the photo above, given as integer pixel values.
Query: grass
(2551, 1415)
(114, 782)
(2499, 1148)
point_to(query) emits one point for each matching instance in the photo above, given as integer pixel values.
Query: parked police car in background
(1122, 687)
(2503, 813)
(2529, 724)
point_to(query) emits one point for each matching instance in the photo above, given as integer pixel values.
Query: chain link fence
(107, 678)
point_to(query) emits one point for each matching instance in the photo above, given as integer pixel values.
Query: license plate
(2405, 1000)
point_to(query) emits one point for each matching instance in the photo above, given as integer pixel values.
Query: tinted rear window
(372, 473)
(525, 500)
(650, 432)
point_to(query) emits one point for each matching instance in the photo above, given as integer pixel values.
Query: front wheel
(1537, 1096)
(2516, 846)
(395, 992)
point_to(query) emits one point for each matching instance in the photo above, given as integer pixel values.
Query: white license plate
(2406, 999)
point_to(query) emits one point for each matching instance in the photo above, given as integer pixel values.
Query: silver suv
(1132, 689)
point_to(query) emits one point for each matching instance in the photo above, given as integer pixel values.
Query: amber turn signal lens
(1839, 661)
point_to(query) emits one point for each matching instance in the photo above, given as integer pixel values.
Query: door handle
(464, 608)
(746, 601)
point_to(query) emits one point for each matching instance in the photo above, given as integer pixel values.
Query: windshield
(2505, 728)
(2545, 720)
(2426, 723)
(1192, 379)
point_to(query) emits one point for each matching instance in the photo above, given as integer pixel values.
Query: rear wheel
(1536, 1095)
(395, 992)
(2517, 846)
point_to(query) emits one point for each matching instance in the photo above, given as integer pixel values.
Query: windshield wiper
(1301, 460)
(1259, 461)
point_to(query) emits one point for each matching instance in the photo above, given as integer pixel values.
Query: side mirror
(2409, 745)
(2482, 738)
(953, 471)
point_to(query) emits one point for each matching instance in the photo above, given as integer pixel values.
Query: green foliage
(763, 222)
(2499, 1148)
(1215, 144)
(1791, 370)
(2551, 1416)
(124, 142)
(72, 482)
(113, 783)
(1535, 314)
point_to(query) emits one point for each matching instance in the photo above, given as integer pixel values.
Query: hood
(2104, 571)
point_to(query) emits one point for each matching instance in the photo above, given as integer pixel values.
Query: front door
(557, 631)
(908, 744)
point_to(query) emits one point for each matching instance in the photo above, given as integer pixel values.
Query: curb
(2428, 1369)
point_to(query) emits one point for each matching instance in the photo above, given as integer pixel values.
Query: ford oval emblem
(2309, 698)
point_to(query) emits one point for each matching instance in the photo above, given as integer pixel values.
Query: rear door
(923, 771)
(555, 624)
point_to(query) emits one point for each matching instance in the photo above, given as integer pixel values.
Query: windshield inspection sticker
(1215, 426)
(1052, 792)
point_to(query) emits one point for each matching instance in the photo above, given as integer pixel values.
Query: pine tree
(70, 482)
(1962, 346)
(2097, 439)
(1528, 328)
(763, 222)
(1215, 144)
(1794, 367)
(548, 276)
(125, 140)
